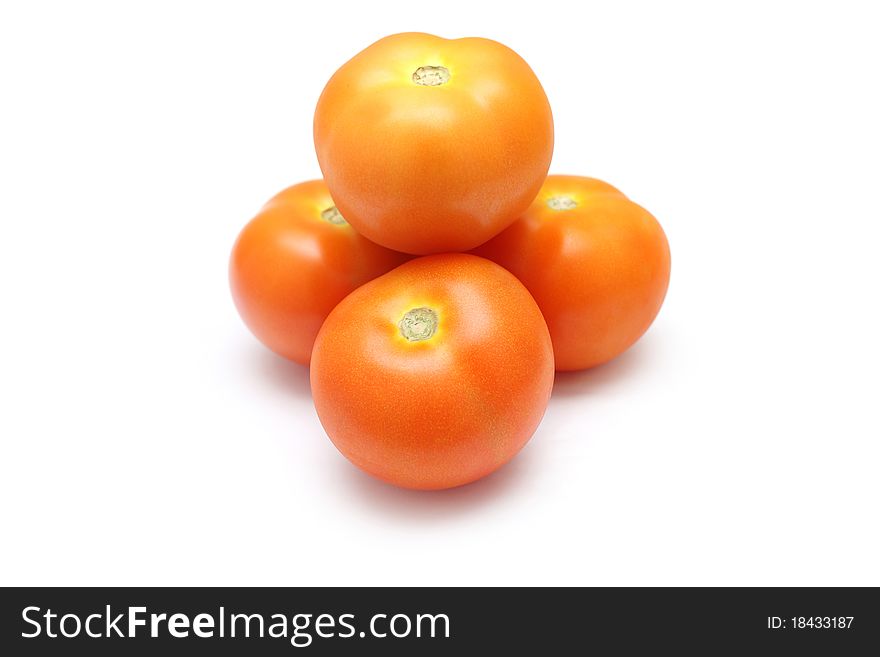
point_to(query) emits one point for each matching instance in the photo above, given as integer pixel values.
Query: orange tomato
(294, 262)
(431, 145)
(596, 263)
(434, 374)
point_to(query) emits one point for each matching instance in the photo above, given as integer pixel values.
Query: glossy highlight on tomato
(597, 263)
(431, 145)
(434, 374)
(294, 262)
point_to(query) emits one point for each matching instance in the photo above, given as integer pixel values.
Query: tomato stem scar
(431, 76)
(561, 202)
(332, 215)
(418, 324)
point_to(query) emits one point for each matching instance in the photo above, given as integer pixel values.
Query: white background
(147, 438)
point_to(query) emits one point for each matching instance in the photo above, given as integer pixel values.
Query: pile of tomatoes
(437, 277)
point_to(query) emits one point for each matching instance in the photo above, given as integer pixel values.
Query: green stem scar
(561, 202)
(418, 324)
(332, 215)
(431, 76)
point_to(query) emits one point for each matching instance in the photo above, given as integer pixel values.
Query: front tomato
(294, 262)
(431, 145)
(435, 374)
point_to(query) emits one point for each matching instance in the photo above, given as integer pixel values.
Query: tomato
(431, 145)
(596, 263)
(294, 262)
(434, 374)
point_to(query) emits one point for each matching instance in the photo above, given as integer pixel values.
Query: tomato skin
(440, 412)
(431, 169)
(599, 271)
(290, 267)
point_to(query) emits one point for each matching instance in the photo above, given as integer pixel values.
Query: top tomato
(430, 145)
